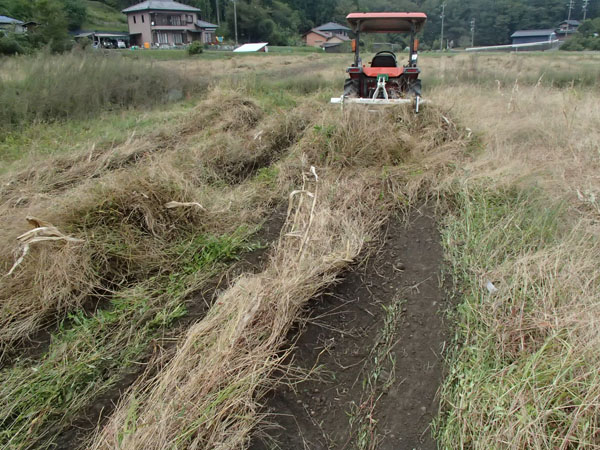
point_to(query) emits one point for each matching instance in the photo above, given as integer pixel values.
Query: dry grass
(524, 372)
(224, 363)
(519, 189)
(114, 201)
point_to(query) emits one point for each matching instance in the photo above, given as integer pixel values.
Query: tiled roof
(204, 24)
(164, 5)
(320, 33)
(571, 22)
(532, 33)
(332, 26)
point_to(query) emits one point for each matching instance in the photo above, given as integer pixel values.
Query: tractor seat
(386, 60)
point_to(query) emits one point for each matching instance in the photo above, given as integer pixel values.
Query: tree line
(282, 22)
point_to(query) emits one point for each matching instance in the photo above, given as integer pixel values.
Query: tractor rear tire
(415, 88)
(351, 88)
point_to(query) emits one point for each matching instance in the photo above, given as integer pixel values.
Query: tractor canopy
(386, 22)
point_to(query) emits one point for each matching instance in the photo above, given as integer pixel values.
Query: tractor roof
(386, 22)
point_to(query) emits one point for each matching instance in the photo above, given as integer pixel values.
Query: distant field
(171, 224)
(176, 54)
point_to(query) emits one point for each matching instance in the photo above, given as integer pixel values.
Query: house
(11, 25)
(329, 33)
(334, 28)
(533, 36)
(567, 28)
(167, 23)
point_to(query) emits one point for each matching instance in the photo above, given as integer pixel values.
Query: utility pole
(442, 33)
(235, 20)
(218, 14)
(571, 5)
(472, 32)
(585, 8)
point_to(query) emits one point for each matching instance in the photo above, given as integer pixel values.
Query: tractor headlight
(414, 57)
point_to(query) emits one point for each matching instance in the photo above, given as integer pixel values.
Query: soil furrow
(368, 395)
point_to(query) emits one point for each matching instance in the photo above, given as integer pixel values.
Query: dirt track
(340, 337)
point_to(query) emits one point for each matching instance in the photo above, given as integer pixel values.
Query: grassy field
(121, 202)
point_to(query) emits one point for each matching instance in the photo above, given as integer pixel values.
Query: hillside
(101, 17)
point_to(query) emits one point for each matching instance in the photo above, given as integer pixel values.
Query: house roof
(337, 36)
(103, 34)
(532, 33)
(251, 47)
(6, 19)
(325, 34)
(164, 5)
(331, 26)
(571, 22)
(204, 24)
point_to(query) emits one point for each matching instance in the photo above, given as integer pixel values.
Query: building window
(134, 19)
(163, 38)
(190, 18)
(142, 18)
(163, 19)
(178, 38)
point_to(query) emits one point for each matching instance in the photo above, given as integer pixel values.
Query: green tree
(52, 28)
(76, 13)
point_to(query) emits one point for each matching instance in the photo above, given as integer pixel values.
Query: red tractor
(384, 81)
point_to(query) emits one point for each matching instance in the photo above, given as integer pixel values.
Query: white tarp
(253, 47)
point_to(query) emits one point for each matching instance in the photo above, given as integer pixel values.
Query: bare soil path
(344, 336)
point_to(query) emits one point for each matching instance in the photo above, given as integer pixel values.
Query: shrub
(9, 46)
(195, 48)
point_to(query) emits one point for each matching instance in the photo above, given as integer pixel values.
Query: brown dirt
(344, 327)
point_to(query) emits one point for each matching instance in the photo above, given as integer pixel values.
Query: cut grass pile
(225, 362)
(92, 353)
(115, 203)
(142, 258)
(224, 365)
